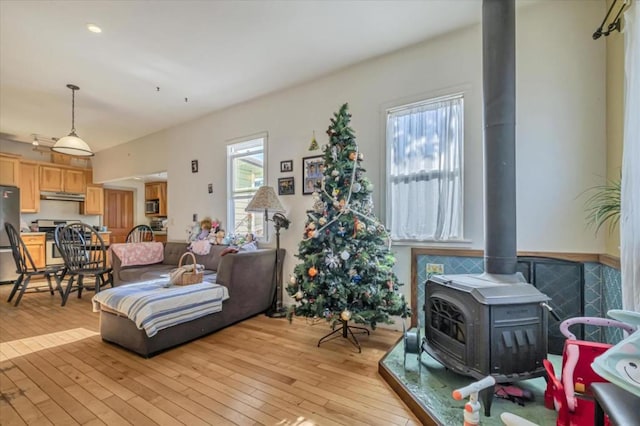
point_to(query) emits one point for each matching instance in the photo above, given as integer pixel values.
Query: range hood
(61, 196)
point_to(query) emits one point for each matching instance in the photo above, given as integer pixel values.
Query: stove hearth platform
(428, 394)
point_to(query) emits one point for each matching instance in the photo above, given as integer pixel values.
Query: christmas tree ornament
(356, 187)
(312, 271)
(322, 220)
(334, 172)
(292, 280)
(352, 155)
(360, 156)
(332, 261)
(314, 142)
(299, 295)
(345, 255)
(345, 315)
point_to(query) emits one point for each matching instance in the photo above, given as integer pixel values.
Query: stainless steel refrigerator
(9, 213)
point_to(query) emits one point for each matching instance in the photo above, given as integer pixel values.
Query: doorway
(118, 213)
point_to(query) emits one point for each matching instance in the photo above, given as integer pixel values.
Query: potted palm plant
(604, 205)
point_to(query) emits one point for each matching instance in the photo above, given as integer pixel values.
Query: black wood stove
(495, 323)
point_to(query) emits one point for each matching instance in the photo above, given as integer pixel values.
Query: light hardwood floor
(55, 369)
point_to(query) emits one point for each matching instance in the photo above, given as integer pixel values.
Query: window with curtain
(424, 170)
(246, 173)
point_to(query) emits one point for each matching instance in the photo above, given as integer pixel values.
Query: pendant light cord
(73, 110)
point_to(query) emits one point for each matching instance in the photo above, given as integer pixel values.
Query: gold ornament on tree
(314, 142)
(345, 315)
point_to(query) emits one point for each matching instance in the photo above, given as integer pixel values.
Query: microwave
(152, 207)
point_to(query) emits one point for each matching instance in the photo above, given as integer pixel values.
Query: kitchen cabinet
(29, 187)
(157, 191)
(151, 191)
(93, 200)
(160, 238)
(58, 179)
(35, 246)
(9, 170)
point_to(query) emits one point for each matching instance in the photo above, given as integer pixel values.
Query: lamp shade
(72, 145)
(265, 199)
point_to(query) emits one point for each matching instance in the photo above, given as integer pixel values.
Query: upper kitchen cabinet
(29, 187)
(9, 170)
(58, 179)
(93, 201)
(156, 191)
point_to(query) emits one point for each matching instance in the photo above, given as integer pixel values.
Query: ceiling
(160, 63)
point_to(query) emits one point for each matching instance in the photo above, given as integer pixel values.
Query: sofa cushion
(172, 253)
(135, 254)
(144, 273)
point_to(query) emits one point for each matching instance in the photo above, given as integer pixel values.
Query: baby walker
(570, 394)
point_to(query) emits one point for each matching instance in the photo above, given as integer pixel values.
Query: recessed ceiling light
(94, 28)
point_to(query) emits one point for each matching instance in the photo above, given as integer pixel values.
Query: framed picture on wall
(311, 173)
(286, 186)
(286, 166)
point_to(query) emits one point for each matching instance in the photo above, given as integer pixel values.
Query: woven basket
(189, 277)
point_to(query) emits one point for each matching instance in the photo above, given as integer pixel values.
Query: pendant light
(72, 144)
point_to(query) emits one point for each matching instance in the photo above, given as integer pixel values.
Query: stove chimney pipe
(499, 85)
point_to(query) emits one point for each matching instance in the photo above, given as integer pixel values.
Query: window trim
(230, 157)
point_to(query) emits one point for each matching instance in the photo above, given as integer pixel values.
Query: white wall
(560, 130)
(143, 156)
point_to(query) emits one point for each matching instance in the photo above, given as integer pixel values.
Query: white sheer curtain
(630, 217)
(425, 170)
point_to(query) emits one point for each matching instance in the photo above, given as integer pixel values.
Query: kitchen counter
(159, 232)
(33, 233)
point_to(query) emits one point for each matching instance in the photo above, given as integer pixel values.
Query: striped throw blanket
(152, 306)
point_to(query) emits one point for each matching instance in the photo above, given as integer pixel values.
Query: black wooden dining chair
(85, 255)
(140, 234)
(26, 269)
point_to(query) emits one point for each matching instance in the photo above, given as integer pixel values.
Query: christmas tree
(345, 272)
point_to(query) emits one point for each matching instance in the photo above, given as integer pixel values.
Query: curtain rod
(614, 25)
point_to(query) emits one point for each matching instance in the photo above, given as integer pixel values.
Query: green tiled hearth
(433, 387)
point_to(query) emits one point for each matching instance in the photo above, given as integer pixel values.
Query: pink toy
(577, 375)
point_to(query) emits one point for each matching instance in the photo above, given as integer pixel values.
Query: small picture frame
(194, 166)
(311, 173)
(286, 166)
(286, 186)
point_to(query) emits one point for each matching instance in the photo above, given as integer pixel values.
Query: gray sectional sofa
(249, 277)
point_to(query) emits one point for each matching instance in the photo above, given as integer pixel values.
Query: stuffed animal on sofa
(218, 238)
(205, 230)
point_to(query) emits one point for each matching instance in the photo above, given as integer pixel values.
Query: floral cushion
(135, 254)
